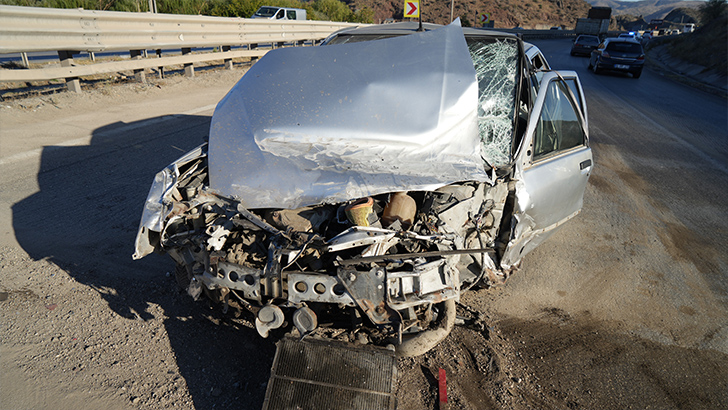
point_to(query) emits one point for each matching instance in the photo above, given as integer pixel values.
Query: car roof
(622, 40)
(409, 27)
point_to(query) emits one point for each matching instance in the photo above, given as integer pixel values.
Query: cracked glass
(496, 64)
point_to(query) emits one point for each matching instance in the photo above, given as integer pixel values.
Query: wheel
(637, 74)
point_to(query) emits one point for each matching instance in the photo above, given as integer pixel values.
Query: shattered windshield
(496, 62)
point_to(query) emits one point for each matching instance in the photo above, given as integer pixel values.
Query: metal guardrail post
(189, 68)
(72, 83)
(252, 47)
(24, 60)
(160, 68)
(228, 62)
(139, 74)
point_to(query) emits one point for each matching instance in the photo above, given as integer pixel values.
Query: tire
(182, 276)
(637, 74)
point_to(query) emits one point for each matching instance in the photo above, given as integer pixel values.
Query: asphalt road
(661, 155)
(647, 257)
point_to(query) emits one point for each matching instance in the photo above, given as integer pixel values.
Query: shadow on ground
(84, 219)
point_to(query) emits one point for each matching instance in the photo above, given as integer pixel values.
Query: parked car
(618, 54)
(631, 34)
(584, 44)
(355, 190)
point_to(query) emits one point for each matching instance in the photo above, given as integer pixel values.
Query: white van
(279, 13)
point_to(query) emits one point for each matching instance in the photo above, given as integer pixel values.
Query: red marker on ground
(442, 390)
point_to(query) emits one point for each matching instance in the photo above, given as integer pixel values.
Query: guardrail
(70, 31)
(537, 34)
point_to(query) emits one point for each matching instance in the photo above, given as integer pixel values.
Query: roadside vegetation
(330, 10)
(707, 44)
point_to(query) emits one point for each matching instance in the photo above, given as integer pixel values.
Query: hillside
(648, 9)
(505, 13)
(706, 46)
(677, 17)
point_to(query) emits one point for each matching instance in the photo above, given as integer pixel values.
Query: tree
(711, 10)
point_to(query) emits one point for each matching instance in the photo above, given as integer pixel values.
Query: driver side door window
(558, 126)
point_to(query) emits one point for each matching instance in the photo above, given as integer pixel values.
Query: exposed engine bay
(379, 269)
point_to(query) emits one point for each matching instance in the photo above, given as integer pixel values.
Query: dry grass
(706, 46)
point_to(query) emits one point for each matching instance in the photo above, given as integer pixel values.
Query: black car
(584, 44)
(618, 54)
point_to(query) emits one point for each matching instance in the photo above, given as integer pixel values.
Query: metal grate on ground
(324, 375)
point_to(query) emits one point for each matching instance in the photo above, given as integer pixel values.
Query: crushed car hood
(308, 125)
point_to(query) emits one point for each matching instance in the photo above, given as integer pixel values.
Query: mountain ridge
(504, 13)
(648, 9)
(535, 14)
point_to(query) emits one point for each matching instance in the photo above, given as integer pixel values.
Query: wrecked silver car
(354, 190)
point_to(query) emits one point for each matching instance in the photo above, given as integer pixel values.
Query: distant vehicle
(279, 13)
(655, 24)
(618, 54)
(627, 35)
(688, 28)
(584, 44)
(556, 28)
(596, 23)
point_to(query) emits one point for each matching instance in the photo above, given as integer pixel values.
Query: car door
(552, 165)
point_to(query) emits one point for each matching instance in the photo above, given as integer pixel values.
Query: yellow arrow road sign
(411, 8)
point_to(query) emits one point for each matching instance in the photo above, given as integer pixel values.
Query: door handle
(585, 164)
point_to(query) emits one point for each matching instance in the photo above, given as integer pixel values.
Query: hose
(422, 342)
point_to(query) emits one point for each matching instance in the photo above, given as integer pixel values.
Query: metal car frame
(351, 267)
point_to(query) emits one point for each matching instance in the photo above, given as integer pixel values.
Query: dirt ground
(592, 321)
